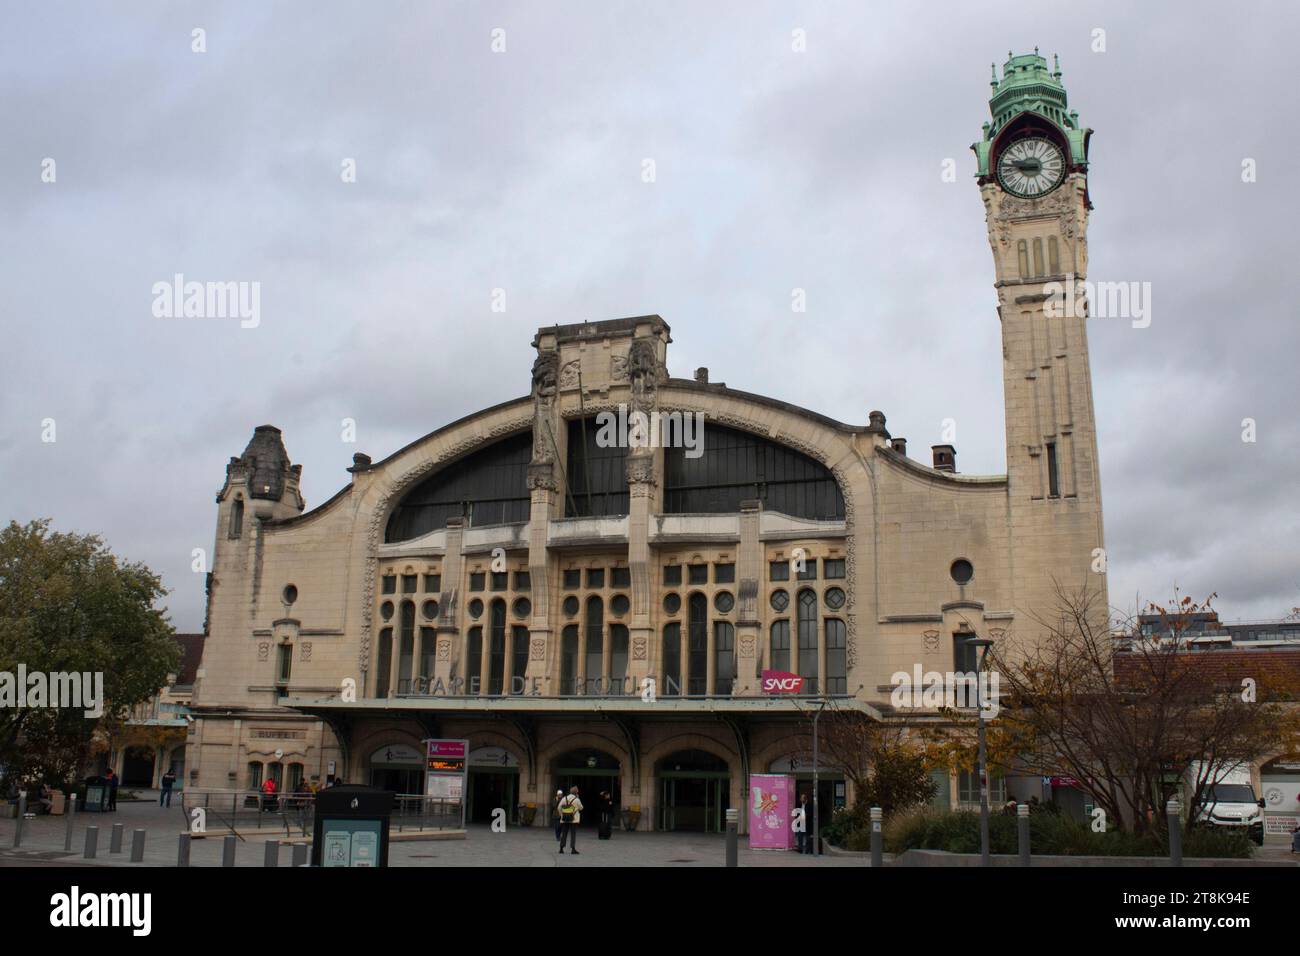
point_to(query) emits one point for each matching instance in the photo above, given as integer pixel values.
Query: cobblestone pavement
(43, 842)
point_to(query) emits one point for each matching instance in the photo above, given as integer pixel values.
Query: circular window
(386, 609)
(780, 600)
(962, 571)
(673, 603)
(724, 601)
(522, 607)
(430, 610)
(570, 606)
(290, 593)
(835, 598)
(476, 608)
(619, 604)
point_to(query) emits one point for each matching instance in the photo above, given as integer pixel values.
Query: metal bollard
(300, 854)
(228, 851)
(877, 838)
(272, 853)
(183, 851)
(115, 841)
(67, 833)
(92, 842)
(1022, 828)
(137, 846)
(733, 818)
(1174, 812)
(22, 816)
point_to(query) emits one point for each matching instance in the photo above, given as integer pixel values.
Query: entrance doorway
(397, 767)
(490, 790)
(694, 792)
(137, 767)
(591, 771)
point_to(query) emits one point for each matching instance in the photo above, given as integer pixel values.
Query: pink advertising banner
(771, 801)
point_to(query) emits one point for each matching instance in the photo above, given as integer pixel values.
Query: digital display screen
(447, 765)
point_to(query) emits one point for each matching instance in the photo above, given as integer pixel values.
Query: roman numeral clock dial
(1031, 167)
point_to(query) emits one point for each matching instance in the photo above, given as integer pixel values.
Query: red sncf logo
(781, 682)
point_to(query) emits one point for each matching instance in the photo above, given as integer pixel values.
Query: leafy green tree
(68, 604)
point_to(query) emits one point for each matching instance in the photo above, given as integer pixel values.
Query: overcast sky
(522, 170)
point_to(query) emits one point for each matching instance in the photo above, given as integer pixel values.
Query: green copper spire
(1027, 86)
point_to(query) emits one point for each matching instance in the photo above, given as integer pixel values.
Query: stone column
(749, 628)
(448, 627)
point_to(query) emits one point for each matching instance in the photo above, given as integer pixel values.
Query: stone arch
(692, 740)
(365, 743)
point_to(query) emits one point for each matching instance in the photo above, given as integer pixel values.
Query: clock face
(1031, 167)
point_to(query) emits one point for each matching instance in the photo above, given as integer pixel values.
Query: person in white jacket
(570, 809)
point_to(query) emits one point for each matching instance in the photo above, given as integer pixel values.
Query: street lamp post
(817, 850)
(984, 644)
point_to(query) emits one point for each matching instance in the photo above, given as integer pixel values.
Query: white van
(1227, 798)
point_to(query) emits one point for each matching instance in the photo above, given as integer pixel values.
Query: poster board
(771, 801)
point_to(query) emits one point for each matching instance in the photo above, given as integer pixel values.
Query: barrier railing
(237, 810)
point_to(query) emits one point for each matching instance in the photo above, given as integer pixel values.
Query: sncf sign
(780, 682)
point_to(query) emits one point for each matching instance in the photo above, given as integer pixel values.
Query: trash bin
(351, 827)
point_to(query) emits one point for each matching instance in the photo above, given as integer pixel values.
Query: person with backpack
(570, 817)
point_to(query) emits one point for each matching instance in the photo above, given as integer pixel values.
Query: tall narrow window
(724, 656)
(698, 648)
(384, 665)
(836, 663)
(780, 653)
(428, 648)
(808, 639)
(1053, 256)
(497, 649)
(595, 650)
(474, 661)
(1022, 254)
(617, 658)
(569, 660)
(672, 676)
(1053, 484)
(283, 663)
(519, 659)
(406, 662)
(237, 518)
(1038, 257)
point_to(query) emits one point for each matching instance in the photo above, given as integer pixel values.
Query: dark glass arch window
(595, 637)
(807, 611)
(672, 680)
(474, 661)
(836, 662)
(597, 476)
(497, 649)
(780, 650)
(569, 660)
(618, 641)
(384, 663)
(518, 659)
(697, 660)
(736, 465)
(488, 487)
(724, 656)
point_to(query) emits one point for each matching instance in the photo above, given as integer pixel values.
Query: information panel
(771, 800)
(447, 769)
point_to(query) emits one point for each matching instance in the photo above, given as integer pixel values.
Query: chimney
(945, 457)
(702, 375)
(899, 445)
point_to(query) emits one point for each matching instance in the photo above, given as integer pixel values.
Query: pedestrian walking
(570, 817)
(559, 795)
(606, 805)
(111, 779)
(168, 781)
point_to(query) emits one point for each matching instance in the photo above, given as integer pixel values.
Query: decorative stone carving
(639, 647)
(546, 370)
(641, 469)
(263, 650)
(538, 649)
(542, 475)
(306, 650)
(747, 645)
(444, 649)
(931, 641)
(569, 374)
(618, 368)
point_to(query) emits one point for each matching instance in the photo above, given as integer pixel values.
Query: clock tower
(1033, 179)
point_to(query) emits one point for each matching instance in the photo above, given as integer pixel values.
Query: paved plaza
(43, 844)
